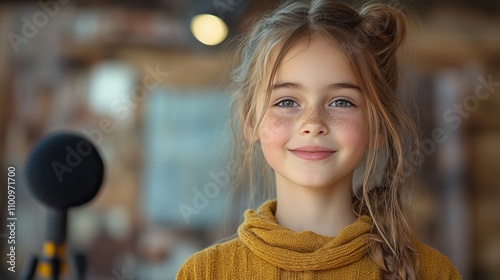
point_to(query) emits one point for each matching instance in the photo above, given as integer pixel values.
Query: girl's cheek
(353, 131)
(276, 128)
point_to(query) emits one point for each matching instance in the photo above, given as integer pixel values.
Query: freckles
(350, 129)
(276, 127)
(333, 121)
(340, 123)
(280, 121)
(313, 115)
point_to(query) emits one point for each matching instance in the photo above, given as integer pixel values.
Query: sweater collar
(299, 251)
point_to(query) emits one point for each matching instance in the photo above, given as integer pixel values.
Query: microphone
(63, 170)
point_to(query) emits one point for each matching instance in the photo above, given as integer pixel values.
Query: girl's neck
(324, 211)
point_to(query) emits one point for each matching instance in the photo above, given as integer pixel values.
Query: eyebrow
(335, 86)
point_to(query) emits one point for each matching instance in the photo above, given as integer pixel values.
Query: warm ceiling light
(209, 29)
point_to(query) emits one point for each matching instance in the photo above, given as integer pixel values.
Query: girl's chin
(319, 180)
(314, 184)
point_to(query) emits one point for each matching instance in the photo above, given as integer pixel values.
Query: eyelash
(349, 103)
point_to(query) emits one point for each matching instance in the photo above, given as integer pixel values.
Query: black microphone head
(64, 170)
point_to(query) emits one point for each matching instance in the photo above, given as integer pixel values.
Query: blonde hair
(370, 39)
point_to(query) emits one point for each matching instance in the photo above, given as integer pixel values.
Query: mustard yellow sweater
(266, 250)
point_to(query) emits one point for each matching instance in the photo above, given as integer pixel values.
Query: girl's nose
(314, 124)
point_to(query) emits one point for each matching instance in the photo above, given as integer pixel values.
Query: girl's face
(315, 129)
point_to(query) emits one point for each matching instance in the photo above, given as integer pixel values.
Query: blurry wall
(129, 74)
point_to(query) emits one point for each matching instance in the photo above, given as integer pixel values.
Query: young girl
(317, 98)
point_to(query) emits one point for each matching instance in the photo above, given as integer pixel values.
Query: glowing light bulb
(209, 29)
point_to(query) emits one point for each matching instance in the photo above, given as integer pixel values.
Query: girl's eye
(341, 103)
(287, 103)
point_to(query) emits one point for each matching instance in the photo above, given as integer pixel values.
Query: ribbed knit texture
(266, 250)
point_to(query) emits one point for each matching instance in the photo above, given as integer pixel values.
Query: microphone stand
(52, 261)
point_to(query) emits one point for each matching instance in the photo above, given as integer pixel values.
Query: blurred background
(146, 81)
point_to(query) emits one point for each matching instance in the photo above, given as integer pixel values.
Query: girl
(316, 98)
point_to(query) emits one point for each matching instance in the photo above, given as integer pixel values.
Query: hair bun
(384, 28)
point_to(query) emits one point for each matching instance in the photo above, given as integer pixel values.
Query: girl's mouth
(312, 152)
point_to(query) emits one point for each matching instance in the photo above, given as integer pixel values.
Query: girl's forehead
(315, 61)
(317, 37)
(321, 43)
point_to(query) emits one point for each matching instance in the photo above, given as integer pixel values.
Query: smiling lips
(312, 152)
